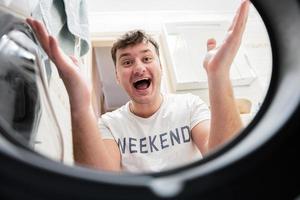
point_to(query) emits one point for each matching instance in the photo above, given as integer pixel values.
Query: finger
(241, 20)
(235, 19)
(29, 21)
(41, 34)
(61, 60)
(74, 59)
(211, 44)
(35, 28)
(56, 52)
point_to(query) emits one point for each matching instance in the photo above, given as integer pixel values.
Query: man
(152, 131)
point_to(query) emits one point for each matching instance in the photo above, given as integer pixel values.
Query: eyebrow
(128, 54)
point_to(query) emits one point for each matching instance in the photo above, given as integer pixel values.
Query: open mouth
(142, 84)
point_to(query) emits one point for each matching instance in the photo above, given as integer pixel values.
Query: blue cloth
(66, 20)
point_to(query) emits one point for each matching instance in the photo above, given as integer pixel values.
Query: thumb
(211, 44)
(74, 59)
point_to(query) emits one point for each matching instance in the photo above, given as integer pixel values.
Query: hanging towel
(66, 20)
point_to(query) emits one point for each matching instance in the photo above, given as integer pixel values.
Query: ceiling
(158, 5)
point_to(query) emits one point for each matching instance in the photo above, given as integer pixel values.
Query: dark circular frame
(258, 164)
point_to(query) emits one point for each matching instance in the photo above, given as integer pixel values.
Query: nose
(139, 68)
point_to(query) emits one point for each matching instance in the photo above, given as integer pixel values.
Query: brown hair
(132, 38)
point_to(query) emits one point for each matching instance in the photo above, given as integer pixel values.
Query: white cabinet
(185, 44)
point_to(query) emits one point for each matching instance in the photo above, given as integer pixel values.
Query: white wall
(120, 16)
(155, 5)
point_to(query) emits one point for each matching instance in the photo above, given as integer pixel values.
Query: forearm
(88, 146)
(225, 117)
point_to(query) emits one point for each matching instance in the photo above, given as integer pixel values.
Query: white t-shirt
(161, 141)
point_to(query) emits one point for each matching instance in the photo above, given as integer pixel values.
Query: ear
(159, 62)
(117, 77)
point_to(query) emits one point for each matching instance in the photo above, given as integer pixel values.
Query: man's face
(138, 71)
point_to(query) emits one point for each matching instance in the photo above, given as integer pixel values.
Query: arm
(225, 119)
(89, 148)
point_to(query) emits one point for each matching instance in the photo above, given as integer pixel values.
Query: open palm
(67, 67)
(219, 58)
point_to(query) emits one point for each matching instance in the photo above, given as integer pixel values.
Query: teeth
(137, 85)
(141, 80)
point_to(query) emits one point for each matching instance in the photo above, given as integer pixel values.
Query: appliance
(261, 163)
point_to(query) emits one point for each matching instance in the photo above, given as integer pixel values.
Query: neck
(146, 110)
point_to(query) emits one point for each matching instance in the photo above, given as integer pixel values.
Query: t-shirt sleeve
(199, 110)
(104, 129)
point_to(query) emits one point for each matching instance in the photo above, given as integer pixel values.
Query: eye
(147, 59)
(127, 63)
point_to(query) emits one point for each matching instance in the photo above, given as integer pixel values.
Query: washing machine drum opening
(19, 99)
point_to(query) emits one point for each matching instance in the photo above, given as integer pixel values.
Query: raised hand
(67, 67)
(219, 58)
